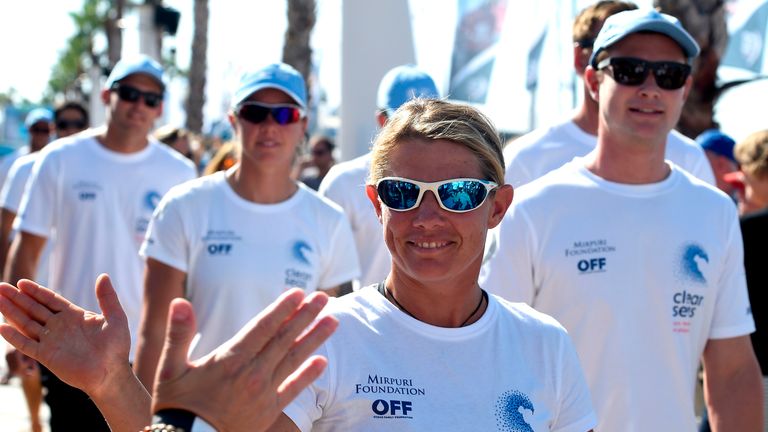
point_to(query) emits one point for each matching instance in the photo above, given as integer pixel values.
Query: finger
(279, 346)
(18, 317)
(44, 296)
(255, 335)
(298, 381)
(109, 303)
(307, 344)
(26, 303)
(19, 341)
(181, 331)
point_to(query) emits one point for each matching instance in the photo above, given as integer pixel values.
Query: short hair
(752, 154)
(590, 20)
(74, 106)
(325, 139)
(168, 134)
(434, 119)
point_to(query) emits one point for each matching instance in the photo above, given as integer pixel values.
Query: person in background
(751, 180)
(232, 242)
(719, 150)
(543, 150)
(95, 192)
(315, 168)
(224, 159)
(39, 124)
(639, 260)
(181, 140)
(345, 182)
(70, 118)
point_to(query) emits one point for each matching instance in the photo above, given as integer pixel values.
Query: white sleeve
(13, 187)
(509, 272)
(340, 263)
(309, 405)
(575, 412)
(39, 206)
(166, 239)
(732, 315)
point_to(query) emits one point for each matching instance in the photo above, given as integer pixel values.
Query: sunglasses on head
(455, 195)
(632, 71)
(70, 124)
(257, 112)
(132, 94)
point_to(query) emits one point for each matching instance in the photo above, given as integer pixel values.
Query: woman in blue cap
(233, 241)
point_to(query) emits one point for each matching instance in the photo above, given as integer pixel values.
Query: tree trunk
(705, 21)
(114, 32)
(296, 51)
(197, 68)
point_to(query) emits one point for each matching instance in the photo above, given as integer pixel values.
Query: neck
(444, 306)
(122, 141)
(628, 162)
(260, 187)
(586, 116)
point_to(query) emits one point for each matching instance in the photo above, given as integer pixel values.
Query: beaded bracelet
(162, 427)
(171, 420)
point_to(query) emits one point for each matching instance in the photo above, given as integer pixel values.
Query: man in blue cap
(640, 261)
(39, 125)
(719, 150)
(345, 182)
(96, 191)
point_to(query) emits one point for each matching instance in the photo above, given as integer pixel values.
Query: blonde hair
(433, 119)
(752, 154)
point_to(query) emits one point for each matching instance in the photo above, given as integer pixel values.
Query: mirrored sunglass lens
(670, 76)
(253, 113)
(398, 195)
(462, 195)
(629, 72)
(285, 115)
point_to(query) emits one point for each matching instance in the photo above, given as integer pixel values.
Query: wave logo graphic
(693, 256)
(509, 412)
(300, 249)
(151, 199)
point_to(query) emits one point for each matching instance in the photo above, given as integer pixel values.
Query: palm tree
(705, 21)
(301, 20)
(197, 68)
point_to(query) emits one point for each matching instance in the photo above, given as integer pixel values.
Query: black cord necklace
(387, 293)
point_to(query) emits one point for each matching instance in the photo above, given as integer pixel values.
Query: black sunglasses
(70, 124)
(40, 130)
(256, 112)
(632, 71)
(132, 94)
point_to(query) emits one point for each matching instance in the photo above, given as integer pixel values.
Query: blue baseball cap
(38, 115)
(623, 24)
(277, 76)
(139, 64)
(402, 84)
(717, 142)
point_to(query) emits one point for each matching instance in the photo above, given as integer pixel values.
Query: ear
(593, 83)
(687, 87)
(105, 93)
(501, 200)
(373, 196)
(381, 118)
(580, 59)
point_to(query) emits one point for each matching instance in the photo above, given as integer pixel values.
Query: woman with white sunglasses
(428, 348)
(232, 242)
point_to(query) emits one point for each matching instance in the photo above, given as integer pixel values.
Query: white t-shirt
(10, 200)
(240, 256)
(513, 370)
(98, 204)
(9, 159)
(345, 185)
(641, 276)
(543, 150)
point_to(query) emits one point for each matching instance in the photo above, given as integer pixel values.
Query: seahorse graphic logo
(693, 255)
(509, 416)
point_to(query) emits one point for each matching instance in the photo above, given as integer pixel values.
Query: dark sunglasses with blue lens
(630, 71)
(257, 112)
(454, 195)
